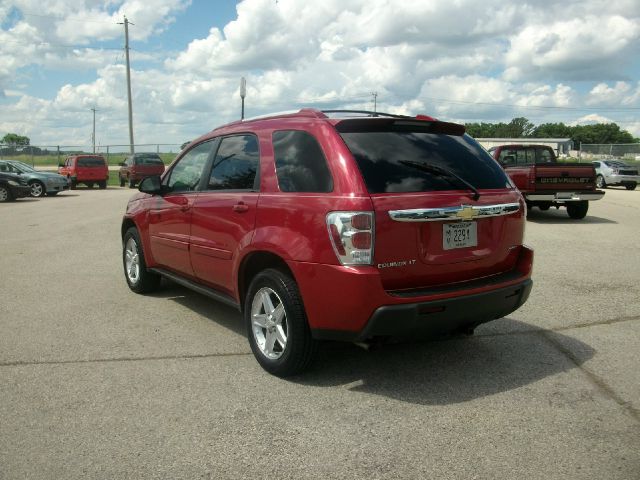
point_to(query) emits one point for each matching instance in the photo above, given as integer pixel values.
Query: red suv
(87, 169)
(353, 226)
(138, 166)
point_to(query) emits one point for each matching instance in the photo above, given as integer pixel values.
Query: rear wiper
(444, 172)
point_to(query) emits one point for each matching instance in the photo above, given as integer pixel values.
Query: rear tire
(5, 194)
(102, 184)
(139, 279)
(577, 210)
(600, 183)
(277, 325)
(630, 186)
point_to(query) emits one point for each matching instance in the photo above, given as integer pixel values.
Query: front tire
(630, 186)
(37, 189)
(102, 184)
(577, 210)
(135, 267)
(600, 183)
(277, 326)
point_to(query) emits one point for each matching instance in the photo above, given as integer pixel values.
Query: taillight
(352, 236)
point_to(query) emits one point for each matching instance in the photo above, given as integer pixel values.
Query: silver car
(615, 172)
(41, 183)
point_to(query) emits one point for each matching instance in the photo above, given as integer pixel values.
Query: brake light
(351, 235)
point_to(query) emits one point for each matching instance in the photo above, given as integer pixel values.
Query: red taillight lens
(361, 222)
(361, 240)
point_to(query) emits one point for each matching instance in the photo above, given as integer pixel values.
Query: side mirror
(151, 185)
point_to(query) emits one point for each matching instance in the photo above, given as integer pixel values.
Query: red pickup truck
(547, 183)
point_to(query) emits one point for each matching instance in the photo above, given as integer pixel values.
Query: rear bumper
(562, 197)
(351, 305)
(445, 316)
(622, 179)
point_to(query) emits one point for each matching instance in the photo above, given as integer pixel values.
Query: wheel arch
(254, 263)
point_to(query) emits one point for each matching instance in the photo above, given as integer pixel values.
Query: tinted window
(596, 164)
(186, 174)
(300, 163)
(390, 161)
(148, 159)
(91, 162)
(236, 164)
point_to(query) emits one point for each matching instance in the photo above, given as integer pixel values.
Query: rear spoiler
(421, 123)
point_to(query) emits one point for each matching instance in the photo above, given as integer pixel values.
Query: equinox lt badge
(400, 263)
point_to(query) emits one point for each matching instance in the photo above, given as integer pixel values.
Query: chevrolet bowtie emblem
(466, 213)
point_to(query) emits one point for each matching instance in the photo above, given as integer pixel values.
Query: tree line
(522, 128)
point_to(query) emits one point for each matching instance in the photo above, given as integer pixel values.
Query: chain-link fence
(51, 156)
(604, 151)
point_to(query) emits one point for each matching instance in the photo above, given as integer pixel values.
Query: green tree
(15, 140)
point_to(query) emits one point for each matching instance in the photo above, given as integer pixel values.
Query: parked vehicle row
(40, 183)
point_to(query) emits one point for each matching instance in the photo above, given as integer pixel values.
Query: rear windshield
(91, 162)
(390, 161)
(148, 159)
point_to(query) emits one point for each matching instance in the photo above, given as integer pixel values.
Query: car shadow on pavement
(218, 312)
(448, 371)
(560, 217)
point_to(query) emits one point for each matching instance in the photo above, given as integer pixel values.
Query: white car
(615, 172)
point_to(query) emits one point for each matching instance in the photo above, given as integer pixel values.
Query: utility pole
(93, 135)
(126, 53)
(375, 101)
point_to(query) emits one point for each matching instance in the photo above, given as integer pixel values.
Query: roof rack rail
(368, 113)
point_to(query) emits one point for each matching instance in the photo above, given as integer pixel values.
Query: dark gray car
(41, 183)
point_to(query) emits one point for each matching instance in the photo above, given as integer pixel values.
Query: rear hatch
(565, 177)
(91, 168)
(148, 164)
(445, 211)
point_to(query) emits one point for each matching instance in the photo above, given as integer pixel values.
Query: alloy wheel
(269, 323)
(132, 261)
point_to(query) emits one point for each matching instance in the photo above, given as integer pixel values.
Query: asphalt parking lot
(97, 382)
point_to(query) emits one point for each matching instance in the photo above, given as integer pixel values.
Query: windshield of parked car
(23, 167)
(91, 162)
(148, 159)
(388, 159)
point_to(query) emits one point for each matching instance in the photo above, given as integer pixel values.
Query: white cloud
(462, 60)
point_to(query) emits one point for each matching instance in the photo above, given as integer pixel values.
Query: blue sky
(550, 61)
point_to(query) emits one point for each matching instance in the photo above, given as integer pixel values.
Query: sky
(576, 62)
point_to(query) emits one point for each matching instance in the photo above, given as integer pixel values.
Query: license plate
(459, 235)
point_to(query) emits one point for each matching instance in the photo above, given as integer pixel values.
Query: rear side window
(91, 162)
(300, 163)
(236, 164)
(398, 160)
